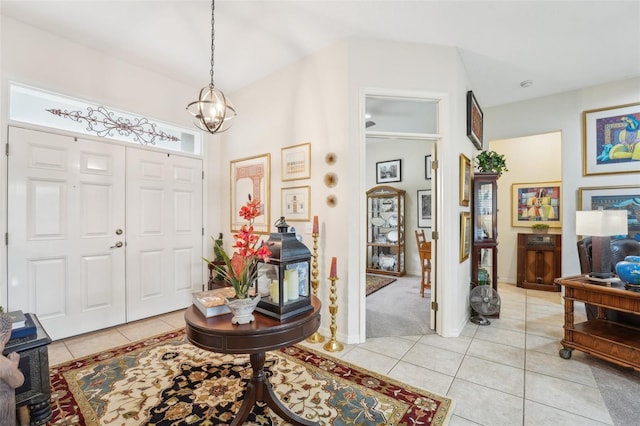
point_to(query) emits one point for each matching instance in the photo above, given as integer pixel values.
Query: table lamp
(601, 225)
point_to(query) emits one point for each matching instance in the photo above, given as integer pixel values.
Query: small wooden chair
(424, 250)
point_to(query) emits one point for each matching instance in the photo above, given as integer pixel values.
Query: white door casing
(66, 200)
(164, 229)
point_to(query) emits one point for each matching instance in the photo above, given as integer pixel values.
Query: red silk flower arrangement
(242, 268)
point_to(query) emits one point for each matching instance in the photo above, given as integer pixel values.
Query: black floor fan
(484, 300)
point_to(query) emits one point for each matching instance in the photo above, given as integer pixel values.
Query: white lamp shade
(601, 223)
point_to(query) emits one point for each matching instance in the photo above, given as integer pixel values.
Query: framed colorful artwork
(611, 142)
(295, 203)
(465, 235)
(296, 162)
(424, 208)
(389, 171)
(538, 202)
(465, 180)
(614, 198)
(474, 120)
(250, 177)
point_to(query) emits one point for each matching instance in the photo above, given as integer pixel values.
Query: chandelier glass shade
(212, 111)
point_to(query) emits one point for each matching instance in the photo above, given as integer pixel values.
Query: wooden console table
(217, 334)
(611, 341)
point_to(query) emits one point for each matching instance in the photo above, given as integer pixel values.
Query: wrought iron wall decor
(104, 123)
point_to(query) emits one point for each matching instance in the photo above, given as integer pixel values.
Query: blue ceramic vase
(629, 270)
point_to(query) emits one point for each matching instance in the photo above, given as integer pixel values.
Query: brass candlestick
(315, 337)
(333, 345)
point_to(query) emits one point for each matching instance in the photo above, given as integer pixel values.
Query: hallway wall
(564, 113)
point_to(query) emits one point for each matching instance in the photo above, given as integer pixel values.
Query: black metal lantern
(284, 281)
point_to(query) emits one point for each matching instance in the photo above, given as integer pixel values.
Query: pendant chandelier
(212, 111)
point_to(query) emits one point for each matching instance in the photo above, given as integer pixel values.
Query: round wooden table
(217, 334)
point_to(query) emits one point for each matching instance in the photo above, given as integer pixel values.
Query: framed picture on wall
(474, 120)
(250, 177)
(295, 203)
(296, 162)
(465, 235)
(614, 198)
(611, 140)
(389, 171)
(427, 167)
(424, 208)
(465, 180)
(538, 202)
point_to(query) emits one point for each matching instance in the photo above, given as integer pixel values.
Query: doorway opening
(399, 129)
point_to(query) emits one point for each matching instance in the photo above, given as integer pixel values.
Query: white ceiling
(560, 45)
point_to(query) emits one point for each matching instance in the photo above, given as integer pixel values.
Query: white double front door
(100, 234)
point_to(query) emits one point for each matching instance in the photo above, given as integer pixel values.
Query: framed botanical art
(424, 208)
(465, 180)
(538, 202)
(474, 120)
(296, 162)
(465, 235)
(614, 198)
(611, 140)
(295, 203)
(250, 177)
(427, 167)
(389, 171)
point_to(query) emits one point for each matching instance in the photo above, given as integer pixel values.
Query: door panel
(164, 244)
(66, 200)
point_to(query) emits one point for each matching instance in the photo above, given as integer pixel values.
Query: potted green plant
(540, 228)
(491, 162)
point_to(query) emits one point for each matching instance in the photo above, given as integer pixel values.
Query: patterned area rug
(167, 381)
(376, 282)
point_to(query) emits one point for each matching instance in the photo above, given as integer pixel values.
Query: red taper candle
(333, 267)
(315, 224)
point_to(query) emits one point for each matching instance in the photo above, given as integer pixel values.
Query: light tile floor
(508, 373)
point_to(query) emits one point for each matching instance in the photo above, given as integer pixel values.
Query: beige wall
(530, 159)
(563, 112)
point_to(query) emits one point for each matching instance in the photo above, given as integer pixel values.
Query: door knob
(117, 245)
(118, 231)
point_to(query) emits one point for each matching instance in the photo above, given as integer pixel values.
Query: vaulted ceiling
(558, 45)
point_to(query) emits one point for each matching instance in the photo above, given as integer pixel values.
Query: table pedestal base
(259, 389)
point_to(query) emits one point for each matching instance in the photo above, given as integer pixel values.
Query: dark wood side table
(611, 341)
(217, 334)
(35, 393)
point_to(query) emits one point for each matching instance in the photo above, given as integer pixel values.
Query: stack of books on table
(22, 325)
(213, 302)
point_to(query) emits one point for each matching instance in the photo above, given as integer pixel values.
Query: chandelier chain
(213, 37)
